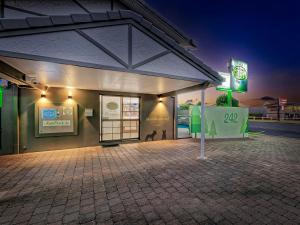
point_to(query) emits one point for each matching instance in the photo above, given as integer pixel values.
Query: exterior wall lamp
(159, 98)
(43, 94)
(70, 96)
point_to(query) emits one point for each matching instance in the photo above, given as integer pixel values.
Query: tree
(212, 131)
(184, 106)
(222, 101)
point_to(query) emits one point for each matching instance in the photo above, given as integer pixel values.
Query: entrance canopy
(113, 51)
(59, 75)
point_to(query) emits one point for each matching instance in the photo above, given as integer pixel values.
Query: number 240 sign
(230, 118)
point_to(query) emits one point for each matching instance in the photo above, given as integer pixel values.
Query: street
(291, 130)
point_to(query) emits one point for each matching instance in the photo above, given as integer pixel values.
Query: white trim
(202, 139)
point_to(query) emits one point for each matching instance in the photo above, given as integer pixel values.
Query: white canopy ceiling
(60, 75)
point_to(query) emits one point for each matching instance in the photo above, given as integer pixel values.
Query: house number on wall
(231, 118)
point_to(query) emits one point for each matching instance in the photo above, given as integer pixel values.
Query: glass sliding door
(185, 102)
(119, 118)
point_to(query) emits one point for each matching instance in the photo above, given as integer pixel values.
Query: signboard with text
(221, 122)
(239, 76)
(282, 101)
(56, 119)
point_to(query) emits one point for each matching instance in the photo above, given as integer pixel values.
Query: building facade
(84, 72)
(270, 108)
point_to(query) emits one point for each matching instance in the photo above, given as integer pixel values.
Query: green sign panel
(237, 79)
(239, 76)
(195, 119)
(221, 122)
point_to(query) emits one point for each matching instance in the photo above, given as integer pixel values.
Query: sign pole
(229, 90)
(202, 143)
(278, 109)
(229, 98)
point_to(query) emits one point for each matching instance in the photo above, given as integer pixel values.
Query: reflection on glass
(111, 107)
(130, 108)
(120, 117)
(131, 129)
(111, 130)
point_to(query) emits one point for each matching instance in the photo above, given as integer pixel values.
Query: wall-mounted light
(43, 94)
(70, 95)
(159, 98)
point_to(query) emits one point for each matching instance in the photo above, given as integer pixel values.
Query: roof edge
(162, 23)
(57, 21)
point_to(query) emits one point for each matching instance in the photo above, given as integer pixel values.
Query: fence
(262, 118)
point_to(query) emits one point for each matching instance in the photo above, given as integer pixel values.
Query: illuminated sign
(56, 119)
(49, 114)
(226, 83)
(3, 84)
(239, 76)
(282, 101)
(237, 79)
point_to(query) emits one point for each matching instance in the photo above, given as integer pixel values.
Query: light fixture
(43, 94)
(70, 96)
(159, 98)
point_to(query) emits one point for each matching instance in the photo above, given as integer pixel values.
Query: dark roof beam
(13, 75)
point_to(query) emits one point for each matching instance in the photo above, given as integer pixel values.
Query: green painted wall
(224, 122)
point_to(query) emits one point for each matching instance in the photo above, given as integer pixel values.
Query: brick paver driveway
(255, 181)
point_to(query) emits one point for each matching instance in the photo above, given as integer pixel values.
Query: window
(131, 108)
(119, 117)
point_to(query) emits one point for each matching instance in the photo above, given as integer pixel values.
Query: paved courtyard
(254, 181)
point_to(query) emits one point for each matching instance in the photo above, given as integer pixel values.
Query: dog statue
(151, 136)
(164, 135)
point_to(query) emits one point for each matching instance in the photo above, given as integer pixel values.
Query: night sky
(263, 33)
